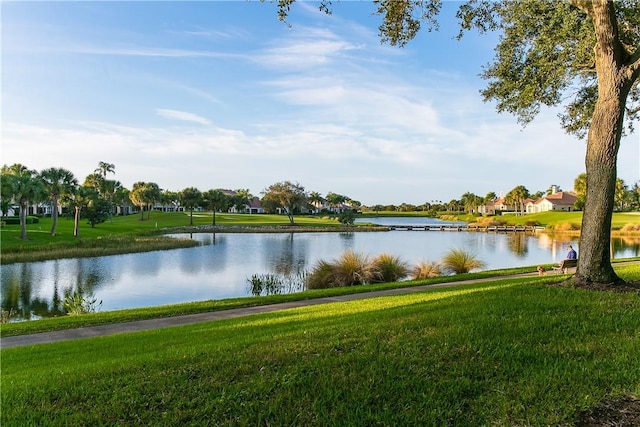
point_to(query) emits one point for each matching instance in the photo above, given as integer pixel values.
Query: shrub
(321, 276)
(348, 270)
(426, 270)
(353, 269)
(347, 217)
(389, 268)
(566, 226)
(488, 221)
(15, 220)
(631, 227)
(458, 261)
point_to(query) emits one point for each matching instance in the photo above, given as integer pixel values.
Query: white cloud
(182, 115)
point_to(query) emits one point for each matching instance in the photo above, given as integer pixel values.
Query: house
(497, 206)
(558, 201)
(254, 206)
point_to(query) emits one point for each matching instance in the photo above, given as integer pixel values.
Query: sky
(220, 94)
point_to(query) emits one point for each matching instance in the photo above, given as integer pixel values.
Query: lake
(221, 267)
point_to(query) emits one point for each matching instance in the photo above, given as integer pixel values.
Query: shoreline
(161, 240)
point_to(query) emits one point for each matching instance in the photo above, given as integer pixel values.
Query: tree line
(97, 198)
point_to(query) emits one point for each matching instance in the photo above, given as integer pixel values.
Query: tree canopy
(581, 55)
(286, 195)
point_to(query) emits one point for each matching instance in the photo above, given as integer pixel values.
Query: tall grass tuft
(390, 268)
(426, 270)
(321, 276)
(458, 261)
(349, 269)
(353, 269)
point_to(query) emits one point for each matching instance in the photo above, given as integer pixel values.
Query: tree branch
(634, 63)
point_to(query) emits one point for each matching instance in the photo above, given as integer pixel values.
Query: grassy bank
(119, 316)
(126, 234)
(514, 352)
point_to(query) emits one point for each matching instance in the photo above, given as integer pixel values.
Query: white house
(560, 201)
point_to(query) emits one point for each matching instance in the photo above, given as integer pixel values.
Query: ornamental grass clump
(426, 270)
(349, 269)
(321, 276)
(389, 268)
(458, 261)
(353, 269)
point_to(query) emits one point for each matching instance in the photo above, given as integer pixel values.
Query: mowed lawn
(510, 352)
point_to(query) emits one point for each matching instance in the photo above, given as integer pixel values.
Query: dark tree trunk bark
(605, 131)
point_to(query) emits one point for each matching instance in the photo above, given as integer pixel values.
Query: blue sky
(220, 94)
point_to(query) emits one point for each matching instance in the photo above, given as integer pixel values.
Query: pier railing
(476, 228)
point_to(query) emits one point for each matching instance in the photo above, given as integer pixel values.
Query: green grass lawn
(126, 234)
(510, 352)
(38, 234)
(551, 219)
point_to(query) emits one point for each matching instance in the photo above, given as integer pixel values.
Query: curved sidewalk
(164, 322)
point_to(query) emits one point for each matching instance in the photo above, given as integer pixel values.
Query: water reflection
(518, 244)
(285, 255)
(225, 263)
(25, 291)
(629, 245)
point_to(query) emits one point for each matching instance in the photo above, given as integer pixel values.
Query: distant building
(558, 201)
(496, 207)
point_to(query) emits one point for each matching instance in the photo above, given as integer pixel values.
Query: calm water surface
(221, 267)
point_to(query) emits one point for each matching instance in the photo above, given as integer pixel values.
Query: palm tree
(470, 201)
(241, 199)
(334, 200)
(58, 183)
(108, 190)
(105, 168)
(6, 190)
(137, 196)
(580, 188)
(80, 199)
(316, 200)
(620, 195)
(190, 197)
(151, 195)
(517, 196)
(26, 188)
(215, 200)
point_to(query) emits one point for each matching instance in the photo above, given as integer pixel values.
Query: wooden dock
(473, 228)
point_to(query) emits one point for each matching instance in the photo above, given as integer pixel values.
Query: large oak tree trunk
(594, 261)
(605, 131)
